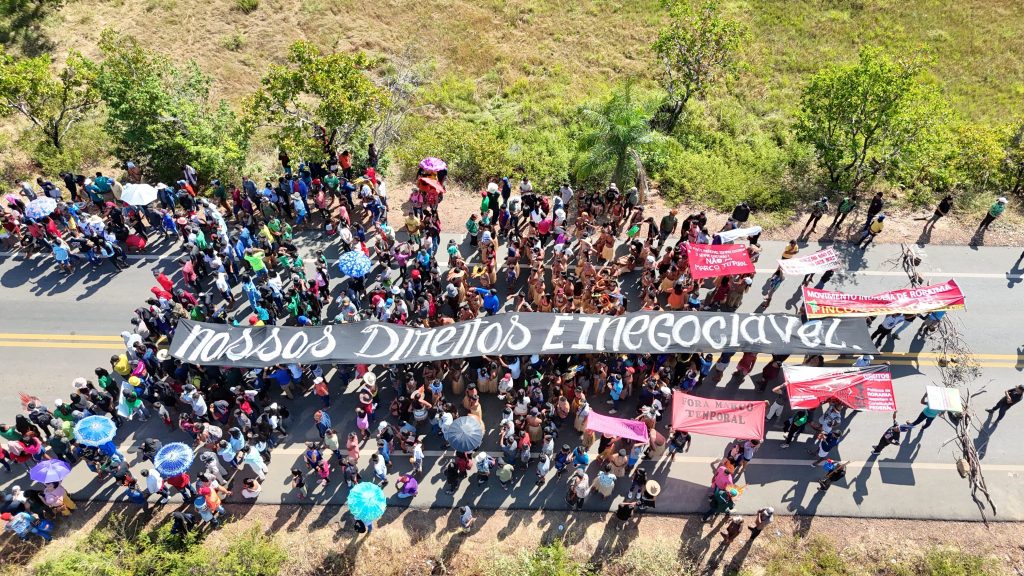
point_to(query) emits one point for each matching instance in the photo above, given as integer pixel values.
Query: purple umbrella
(433, 164)
(49, 471)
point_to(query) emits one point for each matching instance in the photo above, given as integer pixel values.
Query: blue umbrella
(173, 459)
(465, 434)
(355, 264)
(95, 430)
(49, 471)
(366, 502)
(40, 207)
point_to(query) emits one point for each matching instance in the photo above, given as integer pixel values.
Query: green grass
(977, 46)
(513, 73)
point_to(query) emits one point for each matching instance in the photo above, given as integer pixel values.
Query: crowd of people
(239, 263)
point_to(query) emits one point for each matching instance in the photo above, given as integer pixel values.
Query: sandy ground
(901, 226)
(428, 542)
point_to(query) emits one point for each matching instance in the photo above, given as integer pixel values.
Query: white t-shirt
(154, 482)
(515, 368)
(582, 487)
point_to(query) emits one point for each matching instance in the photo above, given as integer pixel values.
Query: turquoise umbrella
(366, 502)
(95, 430)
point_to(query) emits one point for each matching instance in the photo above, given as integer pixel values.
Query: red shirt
(179, 481)
(161, 293)
(165, 282)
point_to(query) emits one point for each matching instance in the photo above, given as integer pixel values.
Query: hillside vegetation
(505, 87)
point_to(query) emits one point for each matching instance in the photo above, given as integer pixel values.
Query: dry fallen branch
(959, 369)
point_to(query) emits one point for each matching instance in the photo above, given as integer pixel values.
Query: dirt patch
(318, 540)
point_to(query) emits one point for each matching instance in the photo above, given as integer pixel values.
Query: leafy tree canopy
(698, 47)
(162, 117)
(53, 101)
(870, 116)
(318, 101)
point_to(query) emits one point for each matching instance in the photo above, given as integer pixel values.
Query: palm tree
(618, 131)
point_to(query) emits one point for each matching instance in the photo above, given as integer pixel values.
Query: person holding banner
(927, 415)
(827, 443)
(891, 437)
(794, 426)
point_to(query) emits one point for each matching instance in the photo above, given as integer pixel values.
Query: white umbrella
(138, 194)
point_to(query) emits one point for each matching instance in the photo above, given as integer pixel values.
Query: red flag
(715, 417)
(860, 388)
(709, 261)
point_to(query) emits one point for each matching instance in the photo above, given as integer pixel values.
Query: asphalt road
(54, 329)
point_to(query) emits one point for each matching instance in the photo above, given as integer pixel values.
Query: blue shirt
(705, 367)
(491, 302)
(325, 420)
(616, 390)
(282, 376)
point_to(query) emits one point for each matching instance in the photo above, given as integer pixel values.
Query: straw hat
(652, 487)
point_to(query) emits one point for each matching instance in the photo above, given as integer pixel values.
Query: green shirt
(996, 209)
(845, 206)
(255, 261)
(472, 226)
(220, 192)
(332, 182)
(108, 384)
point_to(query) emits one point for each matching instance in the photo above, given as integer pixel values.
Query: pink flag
(632, 429)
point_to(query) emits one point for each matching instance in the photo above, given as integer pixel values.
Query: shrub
(252, 553)
(951, 562)
(86, 145)
(234, 42)
(118, 549)
(647, 560)
(479, 150)
(247, 6)
(797, 557)
(550, 560)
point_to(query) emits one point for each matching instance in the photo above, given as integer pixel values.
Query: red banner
(824, 303)
(709, 261)
(714, 417)
(860, 388)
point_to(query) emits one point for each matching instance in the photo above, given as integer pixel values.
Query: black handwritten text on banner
(524, 333)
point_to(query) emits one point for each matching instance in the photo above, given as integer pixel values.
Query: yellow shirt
(412, 224)
(790, 251)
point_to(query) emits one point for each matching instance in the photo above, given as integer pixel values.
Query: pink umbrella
(433, 164)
